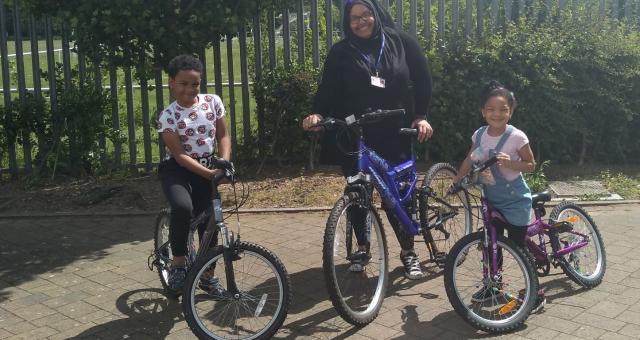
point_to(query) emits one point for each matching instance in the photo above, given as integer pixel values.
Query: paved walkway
(77, 278)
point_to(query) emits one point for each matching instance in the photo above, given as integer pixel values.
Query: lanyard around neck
(366, 58)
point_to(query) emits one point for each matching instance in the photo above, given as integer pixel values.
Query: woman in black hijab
(374, 67)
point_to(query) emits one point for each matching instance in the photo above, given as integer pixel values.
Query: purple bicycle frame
(538, 227)
(384, 179)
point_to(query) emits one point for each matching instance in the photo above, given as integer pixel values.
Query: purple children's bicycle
(492, 283)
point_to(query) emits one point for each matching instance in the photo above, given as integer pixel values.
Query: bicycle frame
(384, 178)
(538, 227)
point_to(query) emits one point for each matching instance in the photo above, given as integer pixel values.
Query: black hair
(493, 89)
(183, 62)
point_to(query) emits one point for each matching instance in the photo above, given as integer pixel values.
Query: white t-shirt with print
(196, 125)
(515, 142)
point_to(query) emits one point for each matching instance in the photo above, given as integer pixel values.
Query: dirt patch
(282, 188)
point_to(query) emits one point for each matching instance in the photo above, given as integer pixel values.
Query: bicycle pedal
(440, 258)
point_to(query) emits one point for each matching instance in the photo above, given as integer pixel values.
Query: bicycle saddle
(544, 196)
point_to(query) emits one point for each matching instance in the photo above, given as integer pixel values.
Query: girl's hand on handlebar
(425, 131)
(308, 124)
(504, 160)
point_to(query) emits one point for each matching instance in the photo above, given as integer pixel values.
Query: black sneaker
(177, 276)
(359, 261)
(411, 265)
(212, 286)
(486, 293)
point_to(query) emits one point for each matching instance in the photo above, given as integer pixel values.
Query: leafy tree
(132, 32)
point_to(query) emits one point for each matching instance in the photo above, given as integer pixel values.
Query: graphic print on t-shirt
(195, 125)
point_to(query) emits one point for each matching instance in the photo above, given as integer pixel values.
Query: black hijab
(382, 18)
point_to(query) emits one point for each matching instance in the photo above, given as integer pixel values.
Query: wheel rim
(457, 226)
(581, 260)
(360, 292)
(249, 316)
(468, 280)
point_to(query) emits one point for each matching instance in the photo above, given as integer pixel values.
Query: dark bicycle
(251, 290)
(357, 279)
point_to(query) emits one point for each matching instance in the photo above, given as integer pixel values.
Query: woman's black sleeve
(419, 73)
(329, 88)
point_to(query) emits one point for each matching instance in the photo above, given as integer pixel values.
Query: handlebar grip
(379, 114)
(408, 132)
(489, 162)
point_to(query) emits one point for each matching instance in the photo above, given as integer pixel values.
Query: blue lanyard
(366, 59)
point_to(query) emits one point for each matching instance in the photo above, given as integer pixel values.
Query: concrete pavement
(87, 278)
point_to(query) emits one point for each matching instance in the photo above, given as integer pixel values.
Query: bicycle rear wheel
(162, 249)
(586, 265)
(457, 221)
(356, 284)
(493, 304)
(259, 309)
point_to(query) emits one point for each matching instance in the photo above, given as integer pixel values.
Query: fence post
(271, 29)
(232, 96)
(300, 28)
(413, 18)
(441, 27)
(455, 4)
(6, 83)
(244, 78)
(22, 84)
(480, 18)
(315, 34)
(399, 14)
(494, 15)
(115, 115)
(159, 109)
(257, 42)
(427, 22)
(146, 121)
(131, 122)
(286, 37)
(328, 17)
(468, 19)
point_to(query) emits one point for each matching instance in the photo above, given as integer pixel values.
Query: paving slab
(81, 277)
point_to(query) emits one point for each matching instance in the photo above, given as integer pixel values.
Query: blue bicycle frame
(385, 179)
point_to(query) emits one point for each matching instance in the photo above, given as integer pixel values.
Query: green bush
(285, 96)
(574, 82)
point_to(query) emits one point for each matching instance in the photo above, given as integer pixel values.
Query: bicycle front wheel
(355, 261)
(585, 265)
(256, 312)
(494, 303)
(456, 218)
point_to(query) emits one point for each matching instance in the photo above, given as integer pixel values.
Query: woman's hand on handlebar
(308, 124)
(425, 131)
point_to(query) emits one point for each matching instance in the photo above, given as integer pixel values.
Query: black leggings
(188, 195)
(516, 234)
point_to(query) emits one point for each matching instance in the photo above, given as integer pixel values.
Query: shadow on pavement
(150, 315)
(44, 247)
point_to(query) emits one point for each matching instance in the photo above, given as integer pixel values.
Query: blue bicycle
(355, 256)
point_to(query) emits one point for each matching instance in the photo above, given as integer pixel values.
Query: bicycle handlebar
(467, 180)
(229, 170)
(329, 123)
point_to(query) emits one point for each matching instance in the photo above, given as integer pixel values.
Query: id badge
(377, 82)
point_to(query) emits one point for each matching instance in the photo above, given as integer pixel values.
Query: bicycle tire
(330, 249)
(569, 267)
(439, 178)
(161, 239)
(241, 304)
(530, 280)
